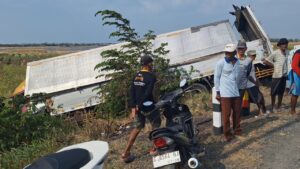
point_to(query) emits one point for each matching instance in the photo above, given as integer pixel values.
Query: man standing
(245, 68)
(253, 87)
(140, 92)
(226, 81)
(295, 80)
(278, 60)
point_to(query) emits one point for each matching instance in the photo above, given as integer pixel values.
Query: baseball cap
(230, 47)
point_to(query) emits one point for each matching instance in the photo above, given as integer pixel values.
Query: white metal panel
(197, 42)
(67, 101)
(64, 72)
(264, 34)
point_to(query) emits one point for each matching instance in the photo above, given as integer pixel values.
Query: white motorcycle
(88, 155)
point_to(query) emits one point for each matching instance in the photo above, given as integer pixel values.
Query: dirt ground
(269, 143)
(283, 148)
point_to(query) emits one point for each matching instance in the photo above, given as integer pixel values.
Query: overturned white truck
(69, 79)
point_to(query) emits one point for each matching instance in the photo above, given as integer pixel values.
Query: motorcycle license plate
(166, 159)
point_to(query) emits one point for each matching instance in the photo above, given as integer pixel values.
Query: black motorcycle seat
(165, 131)
(69, 159)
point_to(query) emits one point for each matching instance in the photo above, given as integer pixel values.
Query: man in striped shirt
(226, 79)
(278, 60)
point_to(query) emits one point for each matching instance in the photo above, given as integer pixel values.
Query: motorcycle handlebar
(162, 103)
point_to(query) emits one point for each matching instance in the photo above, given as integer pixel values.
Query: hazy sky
(36, 21)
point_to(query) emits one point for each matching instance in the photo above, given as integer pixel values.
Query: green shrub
(122, 64)
(17, 128)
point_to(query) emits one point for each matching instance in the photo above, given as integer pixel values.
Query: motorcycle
(176, 144)
(87, 155)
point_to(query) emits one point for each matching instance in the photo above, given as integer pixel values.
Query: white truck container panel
(67, 101)
(77, 69)
(70, 79)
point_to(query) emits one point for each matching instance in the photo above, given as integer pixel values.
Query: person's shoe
(228, 138)
(238, 133)
(127, 158)
(201, 153)
(153, 152)
(293, 113)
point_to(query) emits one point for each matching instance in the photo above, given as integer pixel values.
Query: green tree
(121, 64)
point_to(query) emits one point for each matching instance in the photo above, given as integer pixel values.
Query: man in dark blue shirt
(140, 92)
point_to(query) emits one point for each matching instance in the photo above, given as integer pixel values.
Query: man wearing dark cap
(278, 60)
(245, 68)
(140, 92)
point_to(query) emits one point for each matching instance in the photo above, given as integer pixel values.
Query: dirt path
(282, 150)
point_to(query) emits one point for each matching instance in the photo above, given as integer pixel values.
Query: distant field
(13, 62)
(40, 50)
(294, 43)
(291, 45)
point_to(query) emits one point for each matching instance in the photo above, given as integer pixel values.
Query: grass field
(13, 62)
(11, 76)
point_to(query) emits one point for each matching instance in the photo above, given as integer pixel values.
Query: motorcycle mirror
(147, 103)
(183, 83)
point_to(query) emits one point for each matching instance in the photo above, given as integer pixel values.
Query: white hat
(230, 47)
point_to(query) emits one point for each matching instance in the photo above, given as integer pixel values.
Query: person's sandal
(153, 152)
(128, 158)
(228, 138)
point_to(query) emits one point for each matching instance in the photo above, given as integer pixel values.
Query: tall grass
(17, 158)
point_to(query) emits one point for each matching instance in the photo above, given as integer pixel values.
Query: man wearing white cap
(253, 88)
(226, 79)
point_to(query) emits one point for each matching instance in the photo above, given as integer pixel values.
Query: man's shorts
(255, 95)
(278, 86)
(296, 85)
(140, 119)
